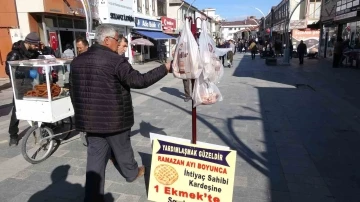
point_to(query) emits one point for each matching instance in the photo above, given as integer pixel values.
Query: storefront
(58, 23)
(347, 18)
(151, 30)
(169, 27)
(119, 15)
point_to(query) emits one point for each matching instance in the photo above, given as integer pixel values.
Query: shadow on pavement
(62, 190)
(5, 86)
(5, 109)
(173, 91)
(310, 145)
(146, 128)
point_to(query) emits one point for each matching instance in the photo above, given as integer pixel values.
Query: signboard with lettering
(168, 24)
(118, 12)
(187, 172)
(147, 24)
(347, 6)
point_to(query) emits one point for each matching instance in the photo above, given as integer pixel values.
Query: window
(314, 9)
(161, 8)
(65, 22)
(147, 10)
(139, 6)
(230, 29)
(153, 6)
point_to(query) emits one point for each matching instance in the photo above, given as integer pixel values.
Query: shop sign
(188, 172)
(128, 18)
(168, 24)
(343, 6)
(147, 24)
(346, 16)
(116, 12)
(298, 24)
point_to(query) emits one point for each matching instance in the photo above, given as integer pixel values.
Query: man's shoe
(187, 99)
(141, 172)
(13, 141)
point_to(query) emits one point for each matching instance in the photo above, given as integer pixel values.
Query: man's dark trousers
(14, 123)
(98, 153)
(301, 58)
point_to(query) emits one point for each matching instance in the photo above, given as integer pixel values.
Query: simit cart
(49, 114)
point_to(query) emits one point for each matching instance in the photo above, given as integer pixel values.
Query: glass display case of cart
(39, 87)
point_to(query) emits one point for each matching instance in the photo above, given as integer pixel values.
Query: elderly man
(100, 86)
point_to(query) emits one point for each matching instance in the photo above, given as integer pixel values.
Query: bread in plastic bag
(213, 68)
(186, 64)
(205, 92)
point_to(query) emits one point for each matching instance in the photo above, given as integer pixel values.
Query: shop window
(314, 9)
(51, 21)
(139, 6)
(161, 5)
(65, 22)
(79, 24)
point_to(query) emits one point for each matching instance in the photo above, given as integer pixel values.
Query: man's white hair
(103, 31)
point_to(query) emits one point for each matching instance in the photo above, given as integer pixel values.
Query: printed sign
(168, 24)
(118, 12)
(187, 172)
(148, 24)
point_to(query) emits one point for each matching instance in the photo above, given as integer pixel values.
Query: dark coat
(301, 49)
(19, 52)
(100, 82)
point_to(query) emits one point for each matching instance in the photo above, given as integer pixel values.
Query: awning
(154, 35)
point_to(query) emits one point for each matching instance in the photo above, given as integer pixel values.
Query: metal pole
(287, 37)
(193, 116)
(177, 15)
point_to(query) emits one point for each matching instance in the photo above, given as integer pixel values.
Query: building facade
(242, 29)
(293, 18)
(58, 23)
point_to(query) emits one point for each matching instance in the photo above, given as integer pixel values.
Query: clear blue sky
(236, 9)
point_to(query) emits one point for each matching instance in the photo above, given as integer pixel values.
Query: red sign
(54, 43)
(168, 24)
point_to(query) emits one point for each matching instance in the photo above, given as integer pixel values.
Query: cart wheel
(34, 148)
(64, 126)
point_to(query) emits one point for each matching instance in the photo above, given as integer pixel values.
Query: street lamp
(262, 14)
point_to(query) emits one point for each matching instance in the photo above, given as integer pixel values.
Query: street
(296, 130)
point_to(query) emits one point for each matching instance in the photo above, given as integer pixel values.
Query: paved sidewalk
(295, 143)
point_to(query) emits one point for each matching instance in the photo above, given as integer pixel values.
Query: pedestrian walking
(21, 50)
(230, 54)
(301, 49)
(338, 52)
(253, 48)
(103, 107)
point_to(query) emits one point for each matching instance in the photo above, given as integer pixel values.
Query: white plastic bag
(205, 92)
(213, 69)
(186, 58)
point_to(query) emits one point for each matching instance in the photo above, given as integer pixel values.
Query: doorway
(67, 37)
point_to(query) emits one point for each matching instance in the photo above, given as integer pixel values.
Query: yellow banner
(191, 173)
